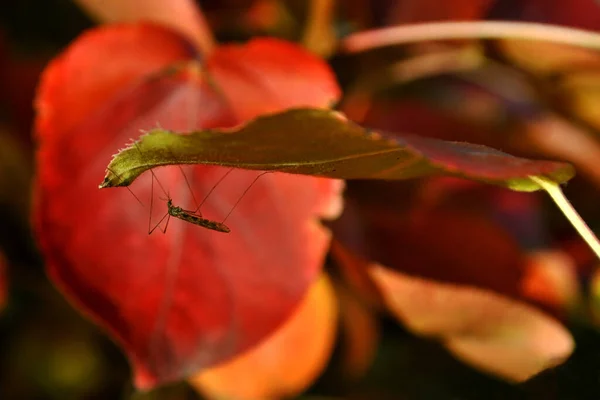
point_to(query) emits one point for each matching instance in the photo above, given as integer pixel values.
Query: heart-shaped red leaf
(101, 63)
(192, 297)
(260, 77)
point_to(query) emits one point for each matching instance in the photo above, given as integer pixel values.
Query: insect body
(193, 218)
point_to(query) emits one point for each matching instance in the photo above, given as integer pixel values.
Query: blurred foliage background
(50, 351)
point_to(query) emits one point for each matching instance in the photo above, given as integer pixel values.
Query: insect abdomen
(206, 223)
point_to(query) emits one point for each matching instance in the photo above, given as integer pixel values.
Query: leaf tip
(105, 183)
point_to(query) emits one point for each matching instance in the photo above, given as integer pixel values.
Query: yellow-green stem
(553, 189)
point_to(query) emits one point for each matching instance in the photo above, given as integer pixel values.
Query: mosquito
(193, 217)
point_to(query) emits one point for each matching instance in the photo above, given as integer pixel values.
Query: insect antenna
(243, 194)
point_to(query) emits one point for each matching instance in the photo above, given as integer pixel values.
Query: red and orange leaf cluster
(188, 299)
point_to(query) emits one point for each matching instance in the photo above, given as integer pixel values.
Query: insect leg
(198, 206)
(196, 211)
(159, 222)
(150, 230)
(167, 224)
(243, 194)
(187, 182)
(127, 187)
(151, 205)
(154, 177)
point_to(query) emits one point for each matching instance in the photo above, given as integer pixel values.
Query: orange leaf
(551, 279)
(491, 332)
(183, 15)
(286, 362)
(549, 57)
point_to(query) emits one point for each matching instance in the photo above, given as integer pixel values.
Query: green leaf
(324, 143)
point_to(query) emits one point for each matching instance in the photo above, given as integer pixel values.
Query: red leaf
(583, 14)
(101, 63)
(450, 245)
(428, 10)
(258, 78)
(192, 297)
